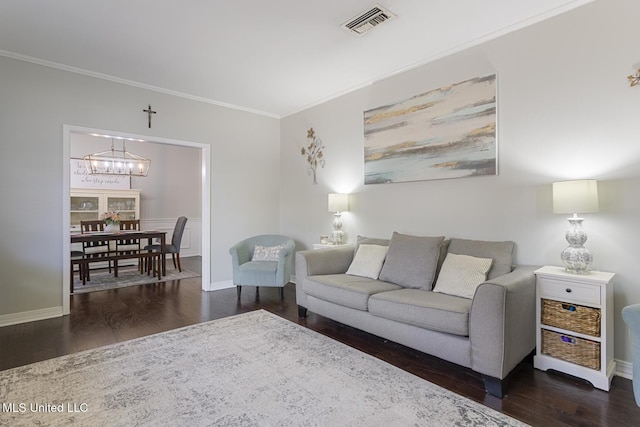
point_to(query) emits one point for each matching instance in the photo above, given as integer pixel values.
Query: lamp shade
(580, 196)
(338, 202)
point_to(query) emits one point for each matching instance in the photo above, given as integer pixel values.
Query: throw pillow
(411, 261)
(267, 253)
(462, 274)
(368, 261)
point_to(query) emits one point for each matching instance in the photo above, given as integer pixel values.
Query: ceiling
(274, 58)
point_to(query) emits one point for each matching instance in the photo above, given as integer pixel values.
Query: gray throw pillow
(411, 261)
(361, 240)
(500, 252)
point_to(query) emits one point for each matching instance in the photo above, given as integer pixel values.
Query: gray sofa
(490, 331)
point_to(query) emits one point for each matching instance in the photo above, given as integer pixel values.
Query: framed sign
(80, 178)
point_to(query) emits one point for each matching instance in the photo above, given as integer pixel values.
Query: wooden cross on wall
(149, 111)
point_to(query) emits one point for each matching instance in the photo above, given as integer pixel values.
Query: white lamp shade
(338, 202)
(572, 197)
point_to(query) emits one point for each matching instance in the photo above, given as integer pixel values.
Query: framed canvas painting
(449, 132)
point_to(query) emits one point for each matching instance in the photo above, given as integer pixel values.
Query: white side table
(574, 323)
(329, 245)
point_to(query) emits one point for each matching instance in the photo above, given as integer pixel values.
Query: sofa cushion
(500, 252)
(361, 240)
(345, 290)
(462, 274)
(411, 261)
(425, 309)
(368, 261)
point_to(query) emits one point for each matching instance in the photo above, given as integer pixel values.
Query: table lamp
(579, 196)
(338, 203)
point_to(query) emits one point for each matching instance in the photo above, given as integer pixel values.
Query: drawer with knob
(565, 290)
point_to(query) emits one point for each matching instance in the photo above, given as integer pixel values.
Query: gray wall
(565, 111)
(35, 102)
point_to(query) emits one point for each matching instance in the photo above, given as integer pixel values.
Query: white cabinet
(90, 204)
(574, 328)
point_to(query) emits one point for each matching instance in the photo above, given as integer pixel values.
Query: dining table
(103, 236)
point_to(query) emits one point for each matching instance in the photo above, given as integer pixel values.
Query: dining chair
(77, 257)
(172, 248)
(95, 249)
(128, 245)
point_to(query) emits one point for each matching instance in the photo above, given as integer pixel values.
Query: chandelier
(116, 162)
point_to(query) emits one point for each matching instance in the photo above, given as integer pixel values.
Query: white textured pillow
(368, 261)
(267, 253)
(462, 274)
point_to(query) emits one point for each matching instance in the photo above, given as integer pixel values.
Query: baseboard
(218, 286)
(30, 316)
(624, 369)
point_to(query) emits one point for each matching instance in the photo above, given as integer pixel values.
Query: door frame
(66, 201)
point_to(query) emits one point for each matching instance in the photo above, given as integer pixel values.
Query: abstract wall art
(449, 132)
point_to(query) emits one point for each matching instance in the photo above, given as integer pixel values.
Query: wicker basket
(571, 349)
(572, 317)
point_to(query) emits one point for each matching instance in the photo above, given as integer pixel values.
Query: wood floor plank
(107, 317)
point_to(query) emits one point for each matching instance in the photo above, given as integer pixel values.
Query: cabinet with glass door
(89, 205)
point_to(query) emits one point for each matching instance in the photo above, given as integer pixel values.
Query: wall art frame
(448, 132)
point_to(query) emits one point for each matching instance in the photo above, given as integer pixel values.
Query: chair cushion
(426, 309)
(258, 273)
(345, 290)
(462, 274)
(500, 252)
(411, 261)
(368, 261)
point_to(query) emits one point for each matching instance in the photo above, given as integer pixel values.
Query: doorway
(68, 131)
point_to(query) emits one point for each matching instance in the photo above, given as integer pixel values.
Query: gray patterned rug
(102, 280)
(253, 369)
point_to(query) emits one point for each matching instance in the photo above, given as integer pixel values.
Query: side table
(328, 245)
(574, 326)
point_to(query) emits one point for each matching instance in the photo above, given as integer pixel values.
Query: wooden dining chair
(127, 246)
(96, 249)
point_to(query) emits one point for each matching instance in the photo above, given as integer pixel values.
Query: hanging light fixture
(116, 162)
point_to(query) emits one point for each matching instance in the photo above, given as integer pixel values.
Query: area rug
(253, 369)
(127, 276)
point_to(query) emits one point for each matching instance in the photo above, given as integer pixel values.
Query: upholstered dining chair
(631, 316)
(172, 248)
(264, 260)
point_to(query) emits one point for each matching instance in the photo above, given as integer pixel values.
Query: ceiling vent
(367, 20)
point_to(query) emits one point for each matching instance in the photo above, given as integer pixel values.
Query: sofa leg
(494, 386)
(238, 290)
(302, 311)
(282, 293)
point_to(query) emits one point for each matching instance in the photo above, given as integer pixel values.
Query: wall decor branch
(314, 154)
(634, 79)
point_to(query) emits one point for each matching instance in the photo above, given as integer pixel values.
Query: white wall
(35, 102)
(565, 110)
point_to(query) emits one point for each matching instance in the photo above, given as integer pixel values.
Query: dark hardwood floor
(102, 318)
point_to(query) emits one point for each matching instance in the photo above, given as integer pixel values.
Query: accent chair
(264, 260)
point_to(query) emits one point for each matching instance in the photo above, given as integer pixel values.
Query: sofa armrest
(502, 322)
(320, 262)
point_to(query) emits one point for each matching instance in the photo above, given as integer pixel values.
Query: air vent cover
(365, 21)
